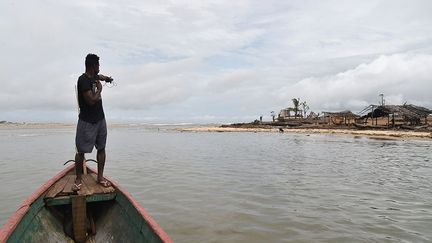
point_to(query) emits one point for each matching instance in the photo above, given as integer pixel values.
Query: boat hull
(114, 217)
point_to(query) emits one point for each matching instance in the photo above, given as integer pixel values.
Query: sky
(213, 61)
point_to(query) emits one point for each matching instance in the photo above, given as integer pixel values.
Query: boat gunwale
(10, 226)
(157, 229)
(7, 230)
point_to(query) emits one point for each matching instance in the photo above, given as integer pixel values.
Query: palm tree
(305, 108)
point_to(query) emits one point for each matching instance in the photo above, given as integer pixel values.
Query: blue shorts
(89, 135)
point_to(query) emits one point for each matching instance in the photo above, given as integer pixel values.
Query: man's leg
(101, 156)
(84, 142)
(101, 163)
(79, 161)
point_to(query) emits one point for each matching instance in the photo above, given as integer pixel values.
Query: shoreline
(376, 134)
(35, 125)
(7, 126)
(389, 134)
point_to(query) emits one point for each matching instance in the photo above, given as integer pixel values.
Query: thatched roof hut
(410, 114)
(339, 118)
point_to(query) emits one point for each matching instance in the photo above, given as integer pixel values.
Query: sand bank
(370, 133)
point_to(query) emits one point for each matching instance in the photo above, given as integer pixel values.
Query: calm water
(246, 187)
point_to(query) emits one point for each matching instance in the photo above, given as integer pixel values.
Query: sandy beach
(390, 134)
(379, 134)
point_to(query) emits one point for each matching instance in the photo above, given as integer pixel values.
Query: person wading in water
(91, 128)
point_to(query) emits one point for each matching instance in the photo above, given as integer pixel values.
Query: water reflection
(247, 187)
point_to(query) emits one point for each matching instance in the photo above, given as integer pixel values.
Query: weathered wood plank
(92, 185)
(57, 187)
(84, 188)
(79, 208)
(90, 198)
(68, 187)
(97, 188)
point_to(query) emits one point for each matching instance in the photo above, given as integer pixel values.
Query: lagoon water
(246, 187)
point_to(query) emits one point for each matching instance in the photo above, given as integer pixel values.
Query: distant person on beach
(91, 128)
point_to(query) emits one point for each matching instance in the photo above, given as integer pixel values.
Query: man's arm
(91, 98)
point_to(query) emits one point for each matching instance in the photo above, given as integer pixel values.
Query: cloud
(400, 77)
(214, 60)
(153, 84)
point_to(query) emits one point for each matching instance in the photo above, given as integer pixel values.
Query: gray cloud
(401, 77)
(213, 61)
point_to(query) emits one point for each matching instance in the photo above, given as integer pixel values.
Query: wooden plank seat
(61, 192)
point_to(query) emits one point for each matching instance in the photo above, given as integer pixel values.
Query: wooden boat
(54, 213)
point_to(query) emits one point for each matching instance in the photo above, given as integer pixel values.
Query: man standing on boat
(91, 128)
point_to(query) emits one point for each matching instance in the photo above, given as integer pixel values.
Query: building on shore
(285, 114)
(394, 115)
(339, 118)
(373, 115)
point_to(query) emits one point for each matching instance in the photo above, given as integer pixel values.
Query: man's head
(92, 63)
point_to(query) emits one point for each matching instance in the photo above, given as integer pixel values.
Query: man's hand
(92, 98)
(105, 78)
